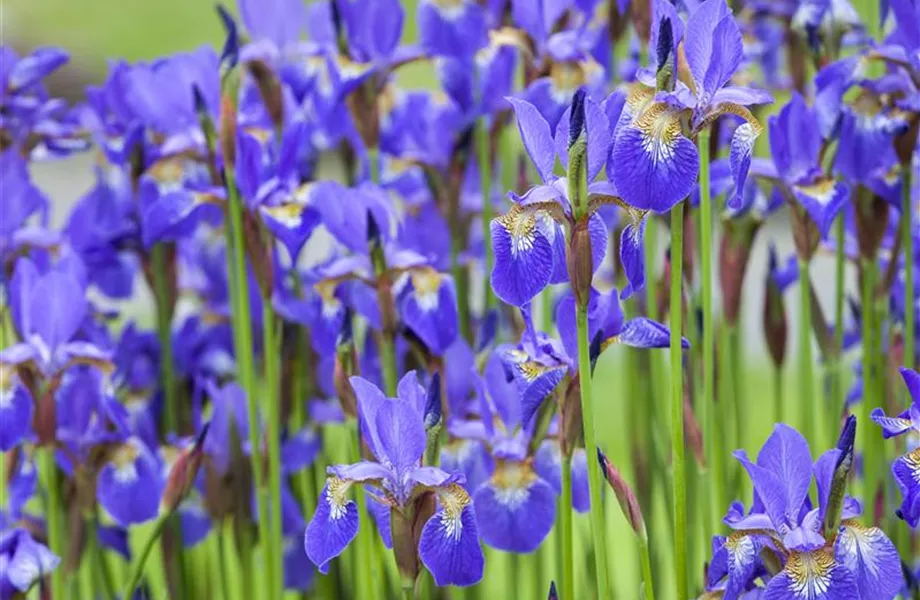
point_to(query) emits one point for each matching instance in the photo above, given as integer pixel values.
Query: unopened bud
(577, 119)
(906, 141)
(552, 591)
(624, 493)
(805, 233)
(580, 263)
(734, 254)
(846, 445)
(433, 403)
(404, 547)
(227, 120)
(872, 213)
(182, 475)
(774, 315)
(571, 417)
(665, 68)
(230, 55)
(270, 89)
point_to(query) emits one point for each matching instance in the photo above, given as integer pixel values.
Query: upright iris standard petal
(536, 135)
(812, 576)
(632, 257)
(655, 165)
(872, 558)
(401, 434)
(454, 28)
(786, 454)
(333, 526)
(523, 257)
(130, 485)
(823, 200)
(912, 381)
(515, 508)
(701, 46)
(16, 408)
(449, 544)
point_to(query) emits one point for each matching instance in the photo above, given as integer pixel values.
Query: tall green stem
(271, 349)
(808, 403)
(366, 585)
(242, 333)
(778, 412)
(485, 183)
(566, 545)
(872, 396)
(839, 393)
(594, 471)
(164, 333)
(53, 515)
(677, 402)
(138, 569)
(706, 404)
(910, 306)
(645, 557)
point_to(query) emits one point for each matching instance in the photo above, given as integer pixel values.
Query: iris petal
(333, 526)
(449, 544)
(871, 557)
(823, 200)
(515, 509)
(523, 257)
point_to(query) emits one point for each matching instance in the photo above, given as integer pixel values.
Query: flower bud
(227, 119)
(552, 591)
(872, 213)
(625, 495)
(404, 547)
(182, 475)
(664, 77)
(805, 233)
(774, 315)
(580, 262)
(905, 142)
(734, 254)
(845, 444)
(571, 417)
(270, 90)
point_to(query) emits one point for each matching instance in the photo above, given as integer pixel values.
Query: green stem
(645, 557)
(711, 513)
(485, 184)
(566, 545)
(242, 333)
(164, 333)
(368, 566)
(271, 350)
(53, 515)
(594, 470)
(778, 412)
(910, 317)
(808, 403)
(872, 454)
(839, 393)
(138, 569)
(677, 402)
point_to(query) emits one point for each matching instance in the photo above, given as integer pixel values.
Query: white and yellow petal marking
(337, 497)
(822, 192)
(125, 462)
(512, 481)
(426, 284)
(289, 214)
(810, 573)
(859, 545)
(330, 304)
(660, 127)
(521, 227)
(741, 551)
(453, 500)
(912, 460)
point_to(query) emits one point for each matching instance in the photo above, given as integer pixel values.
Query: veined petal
(812, 576)
(449, 544)
(380, 512)
(740, 95)
(739, 160)
(402, 435)
(701, 44)
(536, 135)
(632, 257)
(727, 53)
(655, 165)
(823, 201)
(891, 426)
(333, 526)
(360, 471)
(740, 553)
(515, 509)
(523, 257)
(642, 332)
(872, 559)
(536, 381)
(30, 562)
(906, 471)
(173, 215)
(291, 223)
(912, 381)
(129, 487)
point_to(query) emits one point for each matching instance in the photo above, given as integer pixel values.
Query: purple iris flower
(795, 143)
(25, 208)
(16, 408)
(455, 28)
(529, 242)
(23, 562)
(515, 506)
(906, 469)
(48, 310)
(131, 483)
(394, 430)
(821, 555)
(654, 165)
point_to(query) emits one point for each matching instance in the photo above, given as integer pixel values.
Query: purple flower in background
(796, 146)
(48, 310)
(394, 429)
(24, 561)
(454, 28)
(16, 408)
(906, 469)
(131, 483)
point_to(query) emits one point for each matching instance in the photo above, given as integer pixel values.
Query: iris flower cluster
(342, 337)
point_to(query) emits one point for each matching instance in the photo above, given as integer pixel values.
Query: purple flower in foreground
(906, 469)
(824, 552)
(447, 541)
